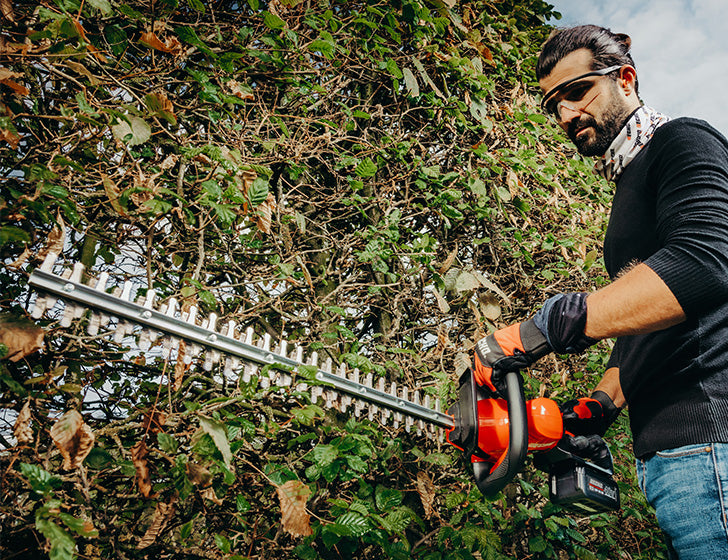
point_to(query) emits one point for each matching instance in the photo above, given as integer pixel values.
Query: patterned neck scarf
(631, 139)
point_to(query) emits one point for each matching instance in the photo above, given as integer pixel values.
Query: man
(666, 250)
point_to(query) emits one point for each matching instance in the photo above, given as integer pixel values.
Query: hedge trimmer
(494, 434)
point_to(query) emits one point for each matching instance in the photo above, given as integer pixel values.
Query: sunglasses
(549, 104)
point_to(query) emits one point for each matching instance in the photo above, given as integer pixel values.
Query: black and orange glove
(589, 415)
(558, 326)
(506, 350)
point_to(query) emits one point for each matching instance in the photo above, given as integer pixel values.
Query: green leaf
(272, 21)
(537, 544)
(366, 168)
(41, 481)
(98, 458)
(167, 443)
(101, 5)
(197, 5)
(397, 521)
(324, 455)
(258, 192)
(62, 544)
(133, 131)
(216, 430)
(223, 543)
(387, 498)
(241, 504)
(354, 522)
(410, 81)
(189, 35)
(393, 69)
(13, 234)
(81, 527)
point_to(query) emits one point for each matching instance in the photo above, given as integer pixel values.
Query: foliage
(368, 178)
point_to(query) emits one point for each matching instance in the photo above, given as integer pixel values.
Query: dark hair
(607, 48)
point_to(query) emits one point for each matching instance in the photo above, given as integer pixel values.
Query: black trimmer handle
(464, 434)
(490, 483)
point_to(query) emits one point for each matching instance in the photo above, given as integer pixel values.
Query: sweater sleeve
(690, 178)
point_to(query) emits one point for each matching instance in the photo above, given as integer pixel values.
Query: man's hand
(506, 350)
(591, 448)
(589, 415)
(557, 326)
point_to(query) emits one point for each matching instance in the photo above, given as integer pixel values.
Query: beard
(603, 133)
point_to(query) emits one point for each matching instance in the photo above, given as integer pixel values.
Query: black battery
(582, 487)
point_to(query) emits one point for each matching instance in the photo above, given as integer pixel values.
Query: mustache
(582, 122)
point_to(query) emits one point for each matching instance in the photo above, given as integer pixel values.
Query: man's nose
(567, 114)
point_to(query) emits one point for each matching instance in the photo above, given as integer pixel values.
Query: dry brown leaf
(265, 213)
(22, 431)
(198, 475)
(73, 438)
(427, 492)
(209, 494)
(10, 137)
(6, 8)
(294, 518)
(114, 193)
(150, 39)
(139, 454)
(6, 74)
(21, 336)
(442, 303)
(180, 367)
(238, 90)
(24, 256)
(55, 241)
(449, 260)
(489, 306)
(154, 421)
(162, 514)
(170, 46)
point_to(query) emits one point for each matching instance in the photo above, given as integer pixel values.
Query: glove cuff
(562, 320)
(610, 410)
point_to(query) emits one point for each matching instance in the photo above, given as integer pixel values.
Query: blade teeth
(396, 416)
(385, 414)
(73, 311)
(212, 356)
(232, 363)
(123, 328)
(419, 423)
(49, 261)
(408, 420)
(97, 319)
(43, 302)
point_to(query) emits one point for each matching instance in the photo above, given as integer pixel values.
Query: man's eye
(577, 93)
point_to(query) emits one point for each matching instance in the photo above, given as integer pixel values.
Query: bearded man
(666, 251)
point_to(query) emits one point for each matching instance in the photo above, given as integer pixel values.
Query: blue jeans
(688, 487)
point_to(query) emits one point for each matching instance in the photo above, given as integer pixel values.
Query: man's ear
(628, 79)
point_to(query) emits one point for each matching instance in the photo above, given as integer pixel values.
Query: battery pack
(582, 487)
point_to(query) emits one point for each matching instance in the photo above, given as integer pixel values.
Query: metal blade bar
(107, 303)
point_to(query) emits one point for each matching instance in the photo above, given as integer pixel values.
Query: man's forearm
(636, 303)
(611, 386)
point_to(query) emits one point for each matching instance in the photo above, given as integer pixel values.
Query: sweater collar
(634, 136)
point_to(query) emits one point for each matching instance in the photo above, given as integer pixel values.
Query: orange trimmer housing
(495, 434)
(545, 427)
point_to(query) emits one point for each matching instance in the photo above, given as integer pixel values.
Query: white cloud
(679, 48)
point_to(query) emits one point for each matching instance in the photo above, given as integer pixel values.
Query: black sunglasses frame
(557, 89)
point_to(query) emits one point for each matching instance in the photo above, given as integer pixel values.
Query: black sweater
(670, 211)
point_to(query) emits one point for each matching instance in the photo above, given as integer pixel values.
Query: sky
(680, 48)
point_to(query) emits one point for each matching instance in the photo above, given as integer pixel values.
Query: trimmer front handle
(490, 477)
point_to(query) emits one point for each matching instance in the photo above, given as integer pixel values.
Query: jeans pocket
(685, 451)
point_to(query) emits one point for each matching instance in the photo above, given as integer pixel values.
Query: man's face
(591, 110)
